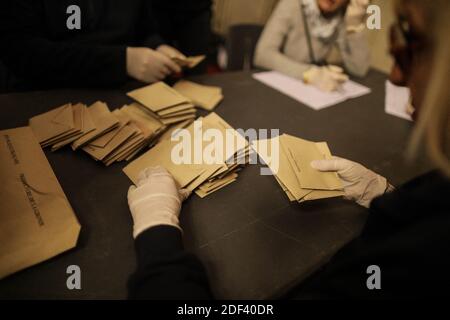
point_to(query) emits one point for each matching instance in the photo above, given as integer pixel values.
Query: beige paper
(99, 153)
(160, 155)
(206, 97)
(157, 96)
(302, 152)
(168, 121)
(52, 124)
(190, 112)
(103, 140)
(176, 109)
(167, 135)
(104, 121)
(86, 126)
(189, 62)
(147, 123)
(203, 194)
(37, 221)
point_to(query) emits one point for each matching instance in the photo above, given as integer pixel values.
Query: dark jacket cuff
(158, 241)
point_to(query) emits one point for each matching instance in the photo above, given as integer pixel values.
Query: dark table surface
(252, 240)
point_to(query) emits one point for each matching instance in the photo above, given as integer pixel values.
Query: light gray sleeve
(268, 53)
(355, 52)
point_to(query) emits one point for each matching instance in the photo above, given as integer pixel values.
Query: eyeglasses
(403, 36)
(405, 43)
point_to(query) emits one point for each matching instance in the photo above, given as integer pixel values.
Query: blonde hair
(433, 125)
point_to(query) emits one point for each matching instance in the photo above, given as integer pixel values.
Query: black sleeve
(406, 235)
(31, 55)
(165, 270)
(152, 38)
(407, 205)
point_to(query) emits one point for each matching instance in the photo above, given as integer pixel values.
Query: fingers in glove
(335, 69)
(172, 66)
(184, 194)
(142, 178)
(340, 77)
(130, 192)
(333, 165)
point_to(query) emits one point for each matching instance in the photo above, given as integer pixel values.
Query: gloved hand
(326, 78)
(360, 184)
(148, 65)
(170, 52)
(156, 200)
(354, 17)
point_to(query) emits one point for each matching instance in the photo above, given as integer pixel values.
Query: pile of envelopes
(106, 136)
(198, 176)
(205, 97)
(164, 103)
(294, 173)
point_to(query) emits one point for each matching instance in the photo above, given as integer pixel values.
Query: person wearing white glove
(165, 270)
(148, 65)
(170, 52)
(355, 15)
(301, 34)
(326, 78)
(360, 184)
(155, 200)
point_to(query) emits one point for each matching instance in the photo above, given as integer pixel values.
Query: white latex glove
(360, 184)
(170, 52)
(156, 200)
(355, 15)
(326, 78)
(148, 65)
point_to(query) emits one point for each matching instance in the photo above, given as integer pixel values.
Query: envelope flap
(52, 123)
(157, 96)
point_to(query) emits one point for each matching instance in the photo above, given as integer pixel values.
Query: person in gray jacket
(300, 35)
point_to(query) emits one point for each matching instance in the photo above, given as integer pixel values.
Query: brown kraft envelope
(36, 219)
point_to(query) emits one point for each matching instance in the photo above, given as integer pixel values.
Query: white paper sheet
(308, 94)
(397, 100)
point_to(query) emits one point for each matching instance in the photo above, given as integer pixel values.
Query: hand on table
(156, 200)
(326, 78)
(360, 184)
(148, 65)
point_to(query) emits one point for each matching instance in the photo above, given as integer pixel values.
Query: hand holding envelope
(149, 65)
(155, 200)
(360, 184)
(188, 62)
(202, 178)
(293, 172)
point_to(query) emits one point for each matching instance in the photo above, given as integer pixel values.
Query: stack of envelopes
(164, 103)
(295, 175)
(106, 136)
(199, 176)
(205, 97)
(62, 126)
(189, 62)
(103, 120)
(145, 128)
